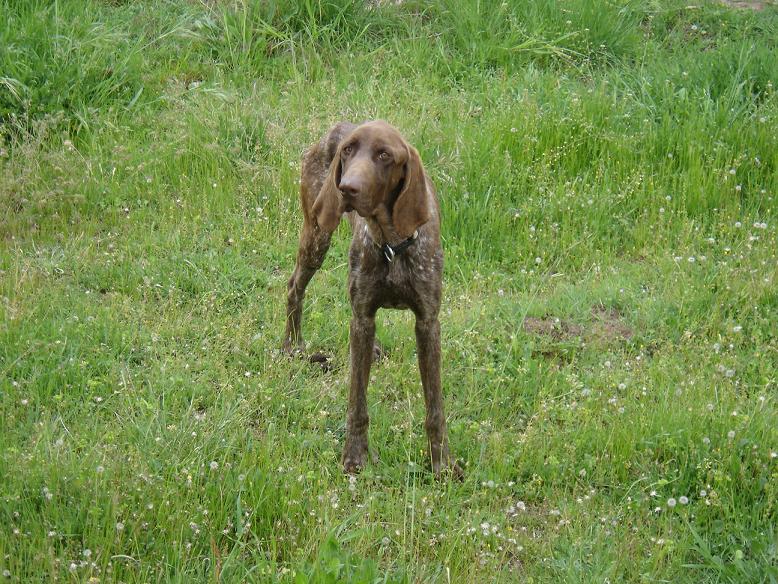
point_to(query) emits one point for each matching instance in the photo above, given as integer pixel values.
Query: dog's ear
(411, 210)
(329, 206)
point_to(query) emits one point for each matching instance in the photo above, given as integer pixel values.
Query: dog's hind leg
(314, 243)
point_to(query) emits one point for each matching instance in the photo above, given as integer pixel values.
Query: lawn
(608, 174)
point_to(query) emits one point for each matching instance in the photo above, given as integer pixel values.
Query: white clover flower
(683, 500)
(119, 526)
(214, 465)
(671, 502)
(731, 434)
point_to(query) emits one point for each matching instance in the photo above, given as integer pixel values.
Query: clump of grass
(63, 59)
(504, 34)
(245, 36)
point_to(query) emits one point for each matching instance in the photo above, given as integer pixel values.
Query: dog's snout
(350, 186)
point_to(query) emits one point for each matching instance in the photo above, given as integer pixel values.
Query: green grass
(610, 165)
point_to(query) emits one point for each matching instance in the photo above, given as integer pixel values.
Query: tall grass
(62, 58)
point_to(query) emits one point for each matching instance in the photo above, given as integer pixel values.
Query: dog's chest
(401, 283)
(396, 288)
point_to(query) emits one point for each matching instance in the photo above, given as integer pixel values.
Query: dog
(373, 176)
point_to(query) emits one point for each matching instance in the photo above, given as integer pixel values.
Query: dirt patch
(555, 328)
(607, 325)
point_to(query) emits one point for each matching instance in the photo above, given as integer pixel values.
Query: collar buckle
(390, 251)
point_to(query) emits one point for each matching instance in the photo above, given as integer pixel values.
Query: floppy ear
(328, 206)
(411, 210)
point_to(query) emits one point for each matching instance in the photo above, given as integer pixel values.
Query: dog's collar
(390, 250)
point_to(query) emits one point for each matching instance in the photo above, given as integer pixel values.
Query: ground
(607, 174)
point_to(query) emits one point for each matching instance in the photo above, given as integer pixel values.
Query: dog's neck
(381, 228)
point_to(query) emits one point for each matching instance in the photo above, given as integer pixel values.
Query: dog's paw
(448, 470)
(355, 456)
(293, 349)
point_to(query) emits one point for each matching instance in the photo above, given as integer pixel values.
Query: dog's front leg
(428, 347)
(362, 335)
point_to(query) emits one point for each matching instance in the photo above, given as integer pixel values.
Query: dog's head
(374, 166)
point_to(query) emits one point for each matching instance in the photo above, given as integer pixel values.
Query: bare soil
(607, 325)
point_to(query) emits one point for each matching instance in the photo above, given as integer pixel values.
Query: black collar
(392, 250)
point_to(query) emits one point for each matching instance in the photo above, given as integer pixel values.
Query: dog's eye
(348, 150)
(383, 156)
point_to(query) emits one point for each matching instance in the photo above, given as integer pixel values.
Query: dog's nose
(350, 186)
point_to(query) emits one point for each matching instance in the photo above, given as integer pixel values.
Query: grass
(607, 173)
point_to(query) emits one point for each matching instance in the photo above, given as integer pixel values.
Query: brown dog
(370, 173)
